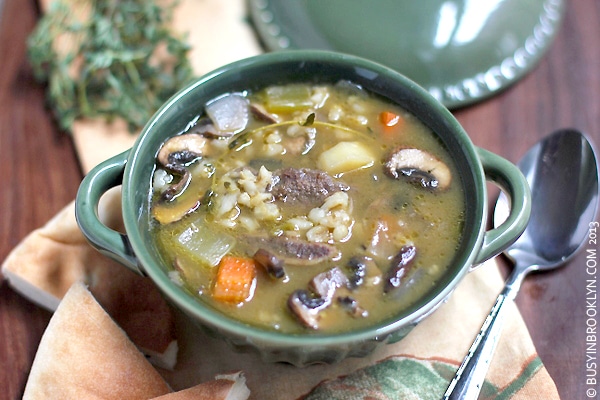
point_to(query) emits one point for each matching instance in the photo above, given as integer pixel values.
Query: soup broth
(306, 207)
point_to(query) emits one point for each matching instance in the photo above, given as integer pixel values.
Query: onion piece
(206, 244)
(230, 113)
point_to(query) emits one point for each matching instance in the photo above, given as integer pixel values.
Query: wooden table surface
(40, 175)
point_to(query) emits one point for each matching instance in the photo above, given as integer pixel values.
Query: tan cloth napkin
(420, 366)
(83, 354)
(432, 351)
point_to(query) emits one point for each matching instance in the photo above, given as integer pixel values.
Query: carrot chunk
(389, 118)
(235, 279)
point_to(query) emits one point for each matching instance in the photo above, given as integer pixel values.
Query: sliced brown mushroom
(358, 266)
(175, 156)
(272, 264)
(174, 190)
(181, 150)
(351, 305)
(205, 127)
(418, 167)
(400, 267)
(260, 113)
(166, 213)
(307, 304)
(306, 307)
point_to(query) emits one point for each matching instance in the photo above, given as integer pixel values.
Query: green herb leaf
(113, 68)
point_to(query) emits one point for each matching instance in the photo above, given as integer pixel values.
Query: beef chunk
(293, 251)
(305, 186)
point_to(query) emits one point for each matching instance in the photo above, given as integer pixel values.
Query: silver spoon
(563, 175)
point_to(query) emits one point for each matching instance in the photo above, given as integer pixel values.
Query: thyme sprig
(122, 61)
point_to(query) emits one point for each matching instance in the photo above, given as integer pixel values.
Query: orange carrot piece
(235, 279)
(389, 118)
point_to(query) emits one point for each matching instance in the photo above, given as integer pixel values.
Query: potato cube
(345, 157)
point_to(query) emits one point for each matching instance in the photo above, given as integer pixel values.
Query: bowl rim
(215, 319)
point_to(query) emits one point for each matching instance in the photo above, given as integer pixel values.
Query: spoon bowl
(562, 173)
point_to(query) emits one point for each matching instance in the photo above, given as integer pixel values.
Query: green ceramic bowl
(133, 170)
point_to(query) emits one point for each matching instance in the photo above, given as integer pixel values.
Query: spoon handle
(470, 376)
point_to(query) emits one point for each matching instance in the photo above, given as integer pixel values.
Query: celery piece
(208, 245)
(287, 98)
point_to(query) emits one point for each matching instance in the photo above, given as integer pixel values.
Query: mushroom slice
(362, 269)
(175, 201)
(270, 262)
(166, 213)
(352, 307)
(173, 191)
(306, 304)
(181, 150)
(205, 127)
(400, 265)
(418, 167)
(306, 307)
(260, 113)
(358, 269)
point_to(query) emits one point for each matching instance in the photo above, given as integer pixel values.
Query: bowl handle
(109, 242)
(511, 181)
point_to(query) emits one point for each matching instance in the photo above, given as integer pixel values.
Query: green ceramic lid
(461, 51)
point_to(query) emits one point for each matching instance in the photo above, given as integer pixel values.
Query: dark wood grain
(40, 175)
(563, 90)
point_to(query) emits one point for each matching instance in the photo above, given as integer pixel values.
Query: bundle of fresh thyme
(121, 61)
